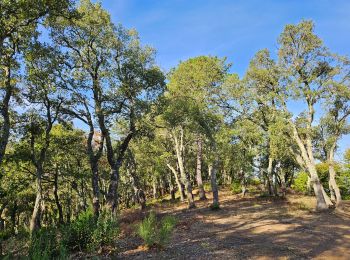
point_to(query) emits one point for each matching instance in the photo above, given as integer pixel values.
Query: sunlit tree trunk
(322, 199)
(179, 154)
(332, 182)
(154, 187)
(212, 168)
(243, 182)
(35, 221)
(269, 176)
(180, 186)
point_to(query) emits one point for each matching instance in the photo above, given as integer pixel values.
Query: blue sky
(236, 29)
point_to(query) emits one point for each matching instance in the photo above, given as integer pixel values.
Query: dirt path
(249, 228)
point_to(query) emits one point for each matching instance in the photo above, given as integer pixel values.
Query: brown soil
(245, 228)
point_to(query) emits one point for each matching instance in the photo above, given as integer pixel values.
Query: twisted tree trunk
(332, 182)
(180, 186)
(179, 154)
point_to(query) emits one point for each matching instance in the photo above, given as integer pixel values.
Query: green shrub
(78, 234)
(45, 244)
(300, 182)
(343, 180)
(254, 181)
(87, 233)
(83, 233)
(166, 228)
(207, 186)
(5, 234)
(155, 233)
(106, 231)
(236, 187)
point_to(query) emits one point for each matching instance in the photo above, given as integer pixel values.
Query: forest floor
(244, 228)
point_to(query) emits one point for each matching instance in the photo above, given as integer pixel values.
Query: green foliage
(106, 230)
(236, 187)
(207, 186)
(300, 182)
(156, 233)
(343, 181)
(5, 234)
(45, 244)
(78, 235)
(85, 233)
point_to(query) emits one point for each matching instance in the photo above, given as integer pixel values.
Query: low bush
(85, 233)
(207, 186)
(106, 231)
(236, 187)
(78, 234)
(300, 183)
(45, 244)
(156, 233)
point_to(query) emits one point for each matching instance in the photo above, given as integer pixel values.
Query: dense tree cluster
(88, 119)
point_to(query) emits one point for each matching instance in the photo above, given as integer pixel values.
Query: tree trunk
(138, 192)
(36, 215)
(95, 189)
(308, 185)
(214, 186)
(333, 185)
(57, 201)
(13, 216)
(180, 186)
(323, 201)
(243, 182)
(270, 177)
(69, 211)
(179, 154)
(154, 186)
(4, 109)
(112, 194)
(2, 221)
(199, 170)
(283, 184)
(332, 182)
(171, 188)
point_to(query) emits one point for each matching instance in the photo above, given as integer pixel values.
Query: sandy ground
(245, 228)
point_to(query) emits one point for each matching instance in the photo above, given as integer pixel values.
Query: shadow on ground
(249, 228)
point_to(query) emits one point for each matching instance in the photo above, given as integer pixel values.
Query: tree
(308, 68)
(18, 24)
(46, 99)
(116, 72)
(194, 87)
(262, 82)
(332, 127)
